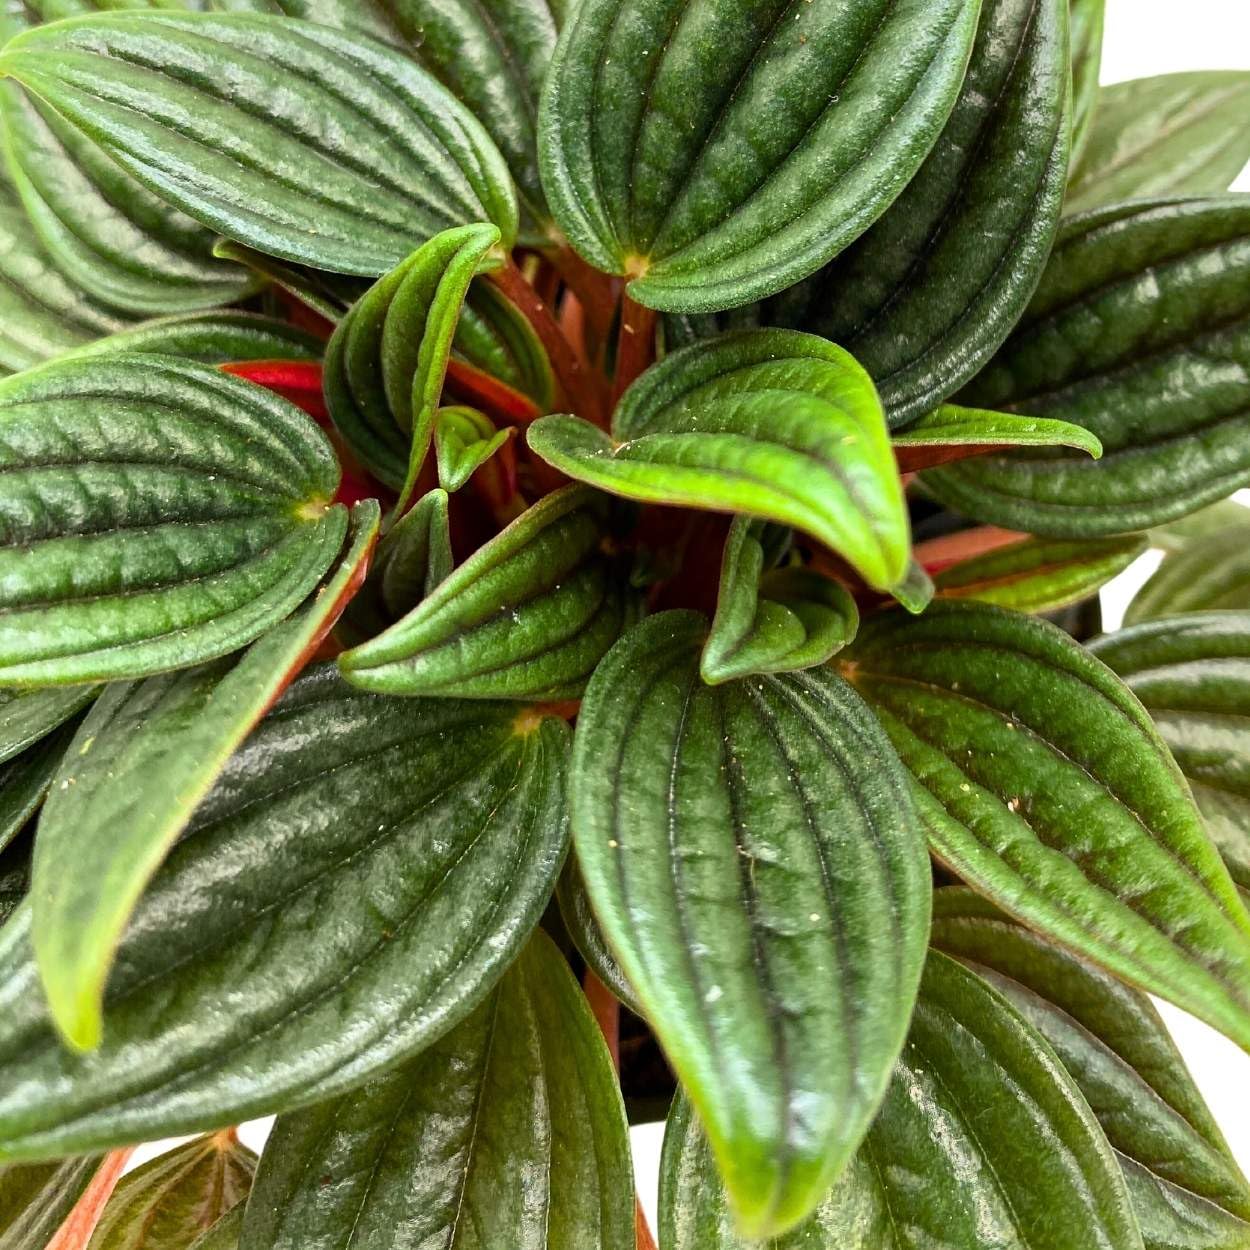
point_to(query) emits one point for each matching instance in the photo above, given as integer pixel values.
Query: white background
(1143, 37)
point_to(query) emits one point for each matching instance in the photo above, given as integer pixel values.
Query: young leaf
(716, 153)
(518, 1104)
(171, 1200)
(35, 1198)
(1040, 574)
(1186, 1189)
(157, 514)
(106, 232)
(362, 873)
(983, 1142)
(386, 362)
(1193, 675)
(753, 858)
(1178, 134)
(771, 620)
(1208, 573)
(1087, 19)
(298, 140)
(770, 423)
(141, 763)
(1140, 332)
(24, 781)
(915, 592)
(464, 440)
(1044, 785)
(925, 298)
(527, 616)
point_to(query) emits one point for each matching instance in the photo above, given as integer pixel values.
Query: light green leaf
(963, 428)
(187, 514)
(143, 760)
(301, 141)
(1140, 332)
(751, 853)
(509, 1131)
(527, 616)
(772, 620)
(354, 885)
(464, 440)
(915, 592)
(983, 1142)
(1044, 785)
(770, 423)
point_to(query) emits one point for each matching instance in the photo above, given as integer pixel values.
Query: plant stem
(642, 1230)
(635, 347)
(607, 1012)
(572, 374)
(75, 1232)
(595, 291)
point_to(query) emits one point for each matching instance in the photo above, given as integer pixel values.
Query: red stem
(75, 1232)
(572, 374)
(635, 348)
(595, 291)
(607, 1012)
(642, 1230)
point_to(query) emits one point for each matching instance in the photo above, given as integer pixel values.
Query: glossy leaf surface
(527, 616)
(141, 763)
(361, 874)
(1178, 134)
(1140, 332)
(508, 1131)
(186, 515)
(170, 1201)
(772, 620)
(751, 853)
(212, 338)
(1192, 672)
(951, 432)
(983, 1142)
(1039, 574)
(304, 142)
(770, 423)
(26, 716)
(717, 153)
(583, 927)
(925, 297)
(1044, 785)
(1208, 573)
(104, 230)
(35, 1198)
(1187, 1191)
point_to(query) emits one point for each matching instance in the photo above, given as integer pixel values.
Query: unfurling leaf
(983, 1141)
(139, 766)
(1186, 1189)
(1044, 785)
(751, 853)
(360, 876)
(717, 153)
(772, 620)
(527, 616)
(519, 1106)
(464, 440)
(301, 141)
(770, 423)
(1140, 332)
(157, 514)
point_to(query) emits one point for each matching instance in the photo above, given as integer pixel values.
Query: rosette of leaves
(375, 558)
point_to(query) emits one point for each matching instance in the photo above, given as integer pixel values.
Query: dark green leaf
(583, 928)
(213, 338)
(1193, 675)
(527, 616)
(772, 620)
(142, 762)
(301, 141)
(753, 858)
(170, 1201)
(770, 423)
(716, 152)
(327, 294)
(1087, 20)
(386, 362)
(26, 716)
(495, 336)
(24, 780)
(1044, 785)
(984, 1142)
(35, 1198)
(925, 298)
(1140, 331)
(1178, 134)
(106, 232)
(509, 1131)
(1208, 573)
(14, 877)
(1039, 574)
(188, 514)
(224, 1235)
(1187, 1191)
(965, 428)
(362, 873)
(464, 440)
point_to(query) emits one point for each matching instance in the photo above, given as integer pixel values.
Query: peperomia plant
(548, 577)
